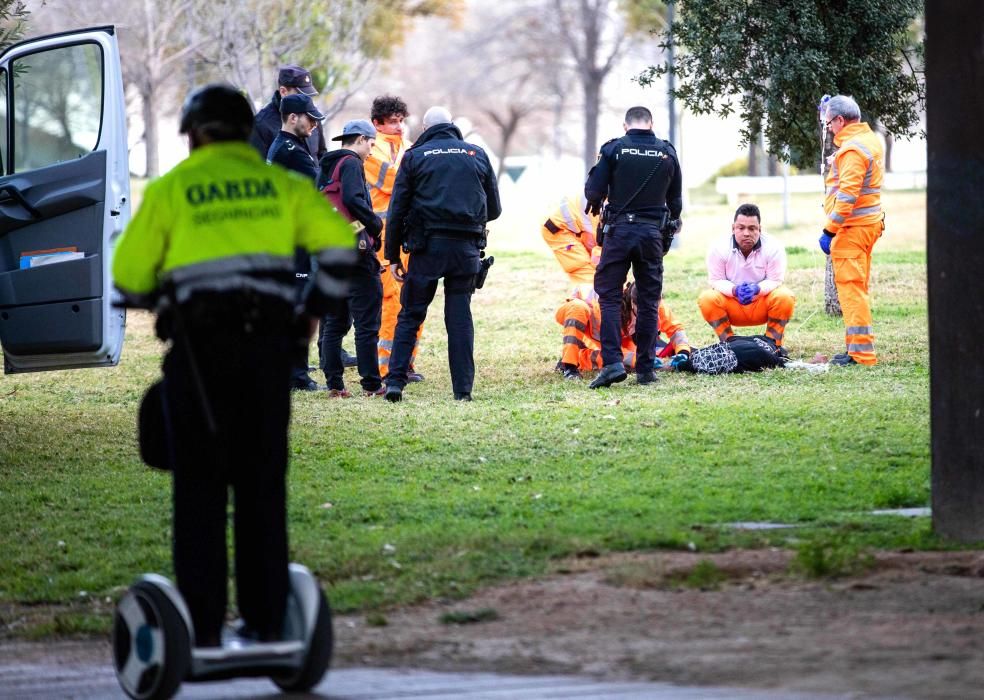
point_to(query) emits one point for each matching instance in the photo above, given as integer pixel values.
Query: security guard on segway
(212, 246)
(639, 175)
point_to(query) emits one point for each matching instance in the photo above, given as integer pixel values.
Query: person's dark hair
(217, 112)
(638, 114)
(628, 301)
(351, 140)
(748, 210)
(388, 106)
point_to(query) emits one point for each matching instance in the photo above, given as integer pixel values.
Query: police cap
(296, 77)
(218, 108)
(300, 104)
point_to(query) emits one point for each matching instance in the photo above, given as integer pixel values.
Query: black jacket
(355, 191)
(267, 124)
(623, 166)
(289, 151)
(444, 184)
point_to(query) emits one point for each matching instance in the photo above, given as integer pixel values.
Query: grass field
(431, 498)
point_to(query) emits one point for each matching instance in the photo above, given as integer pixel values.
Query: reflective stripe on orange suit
(574, 242)
(853, 208)
(381, 166)
(773, 309)
(582, 327)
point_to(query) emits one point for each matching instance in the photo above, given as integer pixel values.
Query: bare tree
(509, 73)
(153, 42)
(593, 33)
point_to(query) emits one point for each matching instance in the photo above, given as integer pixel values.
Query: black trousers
(639, 246)
(457, 261)
(364, 308)
(244, 374)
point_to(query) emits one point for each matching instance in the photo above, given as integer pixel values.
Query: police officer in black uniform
(445, 192)
(291, 80)
(299, 119)
(639, 175)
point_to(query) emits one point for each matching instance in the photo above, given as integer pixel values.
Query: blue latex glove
(744, 293)
(657, 363)
(679, 359)
(751, 291)
(825, 240)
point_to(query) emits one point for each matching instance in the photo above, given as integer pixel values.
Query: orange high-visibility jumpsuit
(570, 233)
(381, 166)
(581, 321)
(854, 216)
(774, 309)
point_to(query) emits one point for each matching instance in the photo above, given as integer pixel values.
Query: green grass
(534, 470)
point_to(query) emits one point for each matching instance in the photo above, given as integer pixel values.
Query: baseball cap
(295, 76)
(356, 127)
(300, 104)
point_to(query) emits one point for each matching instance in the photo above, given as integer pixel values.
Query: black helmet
(221, 110)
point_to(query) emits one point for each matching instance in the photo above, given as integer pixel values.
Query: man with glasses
(855, 221)
(746, 273)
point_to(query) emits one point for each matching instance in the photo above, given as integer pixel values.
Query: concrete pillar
(955, 256)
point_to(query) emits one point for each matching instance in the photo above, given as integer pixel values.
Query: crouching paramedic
(570, 234)
(581, 321)
(215, 238)
(746, 272)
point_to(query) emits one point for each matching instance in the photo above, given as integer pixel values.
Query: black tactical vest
(634, 162)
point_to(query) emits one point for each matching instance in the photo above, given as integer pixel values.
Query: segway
(154, 651)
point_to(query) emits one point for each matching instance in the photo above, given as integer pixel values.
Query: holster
(668, 231)
(603, 225)
(483, 271)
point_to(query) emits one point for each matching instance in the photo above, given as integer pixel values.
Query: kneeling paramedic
(443, 196)
(213, 244)
(640, 177)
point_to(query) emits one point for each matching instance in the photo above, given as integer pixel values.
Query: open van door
(64, 199)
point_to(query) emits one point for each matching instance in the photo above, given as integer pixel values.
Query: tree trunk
(592, 99)
(149, 98)
(831, 302)
(955, 256)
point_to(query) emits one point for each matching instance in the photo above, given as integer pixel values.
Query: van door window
(57, 106)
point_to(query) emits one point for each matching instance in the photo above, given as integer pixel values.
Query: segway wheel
(318, 654)
(151, 644)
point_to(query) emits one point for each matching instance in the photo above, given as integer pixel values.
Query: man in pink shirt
(746, 274)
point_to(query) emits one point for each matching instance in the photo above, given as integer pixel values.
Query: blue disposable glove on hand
(751, 291)
(825, 240)
(746, 292)
(679, 359)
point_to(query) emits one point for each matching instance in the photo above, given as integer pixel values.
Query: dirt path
(911, 627)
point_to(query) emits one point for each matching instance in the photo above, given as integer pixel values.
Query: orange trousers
(850, 254)
(391, 309)
(580, 349)
(773, 309)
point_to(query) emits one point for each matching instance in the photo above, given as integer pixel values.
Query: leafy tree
(13, 20)
(776, 58)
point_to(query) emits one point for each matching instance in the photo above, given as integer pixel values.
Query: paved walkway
(88, 680)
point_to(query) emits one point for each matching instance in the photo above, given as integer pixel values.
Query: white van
(64, 198)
